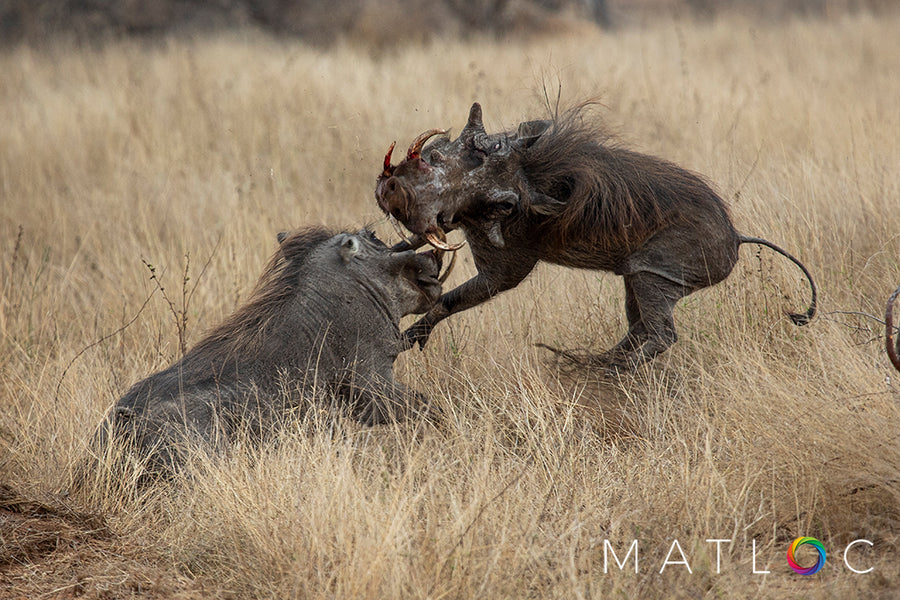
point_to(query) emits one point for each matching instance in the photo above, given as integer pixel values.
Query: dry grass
(749, 429)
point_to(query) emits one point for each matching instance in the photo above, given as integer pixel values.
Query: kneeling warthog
(562, 191)
(321, 325)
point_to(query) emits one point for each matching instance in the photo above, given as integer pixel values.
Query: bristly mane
(243, 330)
(604, 192)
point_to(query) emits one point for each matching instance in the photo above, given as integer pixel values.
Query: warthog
(562, 191)
(893, 351)
(321, 325)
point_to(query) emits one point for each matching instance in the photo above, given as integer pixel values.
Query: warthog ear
(282, 235)
(501, 205)
(349, 248)
(530, 131)
(543, 204)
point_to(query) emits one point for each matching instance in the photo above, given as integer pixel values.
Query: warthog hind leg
(649, 302)
(637, 332)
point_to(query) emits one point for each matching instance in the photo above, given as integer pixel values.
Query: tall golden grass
(192, 155)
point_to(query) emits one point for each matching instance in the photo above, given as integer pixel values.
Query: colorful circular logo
(802, 541)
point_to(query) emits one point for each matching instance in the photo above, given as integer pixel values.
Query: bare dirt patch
(51, 549)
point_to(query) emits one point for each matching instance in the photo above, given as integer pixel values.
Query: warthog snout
(424, 273)
(396, 191)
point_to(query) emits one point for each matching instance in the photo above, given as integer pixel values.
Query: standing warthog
(322, 323)
(561, 191)
(893, 351)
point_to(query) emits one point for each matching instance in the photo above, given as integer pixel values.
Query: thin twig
(185, 298)
(98, 342)
(854, 313)
(737, 194)
(171, 304)
(860, 329)
(15, 258)
(181, 315)
(203, 270)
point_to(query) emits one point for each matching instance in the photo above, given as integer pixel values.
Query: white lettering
(755, 572)
(683, 560)
(607, 547)
(718, 544)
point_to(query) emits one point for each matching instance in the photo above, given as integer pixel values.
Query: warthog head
(436, 187)
(364, 262)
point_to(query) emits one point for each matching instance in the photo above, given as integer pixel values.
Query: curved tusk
(396, 224)
(440, 244)
(446, 274)
(416, 147)
(413, 241)
(388, 168)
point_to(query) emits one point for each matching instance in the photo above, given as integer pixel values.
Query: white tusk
(446, 274)
(440, 244)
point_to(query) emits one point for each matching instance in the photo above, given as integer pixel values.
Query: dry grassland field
(191, 154)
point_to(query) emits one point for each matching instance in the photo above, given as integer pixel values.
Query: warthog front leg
(380, 401)
(473, 292)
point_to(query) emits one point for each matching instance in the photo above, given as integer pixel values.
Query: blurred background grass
(192, 147)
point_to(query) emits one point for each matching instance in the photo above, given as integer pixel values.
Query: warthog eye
(486, 145)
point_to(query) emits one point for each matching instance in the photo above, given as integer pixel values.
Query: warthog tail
(797, 318)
